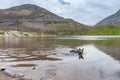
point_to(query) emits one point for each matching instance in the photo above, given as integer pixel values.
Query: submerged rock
(2, 68)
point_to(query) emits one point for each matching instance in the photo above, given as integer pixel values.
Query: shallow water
(49, 58)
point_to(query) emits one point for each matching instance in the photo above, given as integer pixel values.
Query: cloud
(88, 12)
(63, 2)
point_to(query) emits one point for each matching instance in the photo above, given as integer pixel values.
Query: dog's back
(74, 51)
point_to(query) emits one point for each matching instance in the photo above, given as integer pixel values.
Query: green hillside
(104, 30)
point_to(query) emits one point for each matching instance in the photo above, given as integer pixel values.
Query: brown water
(49, 58)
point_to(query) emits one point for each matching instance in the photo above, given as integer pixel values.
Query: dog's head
(81, 50)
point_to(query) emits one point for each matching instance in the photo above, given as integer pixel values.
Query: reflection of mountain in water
(110, 46)
(114, 51)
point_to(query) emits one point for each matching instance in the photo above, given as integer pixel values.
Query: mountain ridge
(32, 18)
(111, 20)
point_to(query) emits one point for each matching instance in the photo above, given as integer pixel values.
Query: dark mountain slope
(110, 20)
(32, 18)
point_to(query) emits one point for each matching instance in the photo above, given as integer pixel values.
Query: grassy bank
(104, 30)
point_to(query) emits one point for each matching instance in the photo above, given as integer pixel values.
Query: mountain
(32, 18)
(112, 20)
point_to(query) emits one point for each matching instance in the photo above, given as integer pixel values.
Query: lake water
(49, 58)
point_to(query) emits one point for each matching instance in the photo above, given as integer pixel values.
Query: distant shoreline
(36, 34)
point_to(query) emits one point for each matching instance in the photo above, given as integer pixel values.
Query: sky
(87, 12)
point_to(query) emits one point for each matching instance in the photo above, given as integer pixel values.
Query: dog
(79, 52)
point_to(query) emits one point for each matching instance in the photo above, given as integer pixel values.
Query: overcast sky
(88, 12)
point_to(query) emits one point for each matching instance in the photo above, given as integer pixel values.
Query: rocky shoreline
(6, 76)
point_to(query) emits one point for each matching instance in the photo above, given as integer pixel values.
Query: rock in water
(33, 68)
(2, 68)
(21, 75)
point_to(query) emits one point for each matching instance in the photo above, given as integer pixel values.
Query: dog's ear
(82, 50)
(79, 49)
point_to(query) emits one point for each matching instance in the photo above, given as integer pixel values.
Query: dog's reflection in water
(79, 52)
